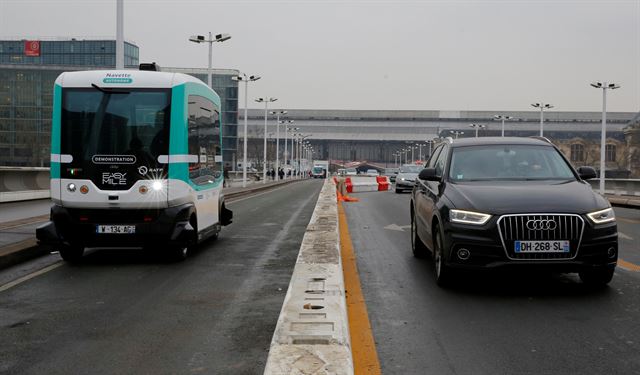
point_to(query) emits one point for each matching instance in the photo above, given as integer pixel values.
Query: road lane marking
(624, 236)
(363, 346)
(30, 276)
(397, 227)
(628, 265)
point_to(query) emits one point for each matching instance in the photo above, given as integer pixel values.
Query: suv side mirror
(587, 173)
(428, 174)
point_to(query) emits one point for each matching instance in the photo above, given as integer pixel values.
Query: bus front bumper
(124, 228)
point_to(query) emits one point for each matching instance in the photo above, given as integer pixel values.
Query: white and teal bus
(136, 161)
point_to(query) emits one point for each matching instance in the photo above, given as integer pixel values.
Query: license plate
(116, 229)
(542, 246)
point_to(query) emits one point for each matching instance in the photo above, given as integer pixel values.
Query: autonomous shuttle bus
(136, 161)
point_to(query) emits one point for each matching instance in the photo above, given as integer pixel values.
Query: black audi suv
(484, 203)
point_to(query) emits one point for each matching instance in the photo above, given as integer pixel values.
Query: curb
(21, 252)
(312, 333)
(624, 202)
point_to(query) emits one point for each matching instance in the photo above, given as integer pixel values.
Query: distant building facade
(28, 69)
(377, 136)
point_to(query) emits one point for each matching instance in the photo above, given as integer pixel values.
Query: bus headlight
(156, 185)
(71, 187)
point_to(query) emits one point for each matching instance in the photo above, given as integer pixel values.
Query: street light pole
(202, 39)
(278, 113)
(603, 136)
(456, 133)
(120, 34)
(266, 102)
(503, 118)
(542, 107)
(477, 127)
(246, 80)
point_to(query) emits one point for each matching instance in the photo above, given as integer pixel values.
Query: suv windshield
(508, 162)
(410, 169)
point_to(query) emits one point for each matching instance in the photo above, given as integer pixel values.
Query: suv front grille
(566, 227)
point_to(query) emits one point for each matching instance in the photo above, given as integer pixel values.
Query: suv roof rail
(541, 138)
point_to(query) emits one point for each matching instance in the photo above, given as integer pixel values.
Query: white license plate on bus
(116, 229)
(542, 246)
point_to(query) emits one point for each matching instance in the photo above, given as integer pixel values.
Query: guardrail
(618, 186)
(23, 183)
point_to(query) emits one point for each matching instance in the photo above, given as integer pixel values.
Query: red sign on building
(32, 48)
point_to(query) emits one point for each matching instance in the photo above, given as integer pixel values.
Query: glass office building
(28, 70)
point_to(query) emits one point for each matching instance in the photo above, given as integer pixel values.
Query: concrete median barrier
(312, 333)
(18, 184)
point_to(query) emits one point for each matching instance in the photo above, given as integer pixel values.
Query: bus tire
(71, 253)
(178, 253)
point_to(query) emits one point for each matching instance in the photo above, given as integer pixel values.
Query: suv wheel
(71, 253)
(597, 277)
(442, 271)
(417, 246)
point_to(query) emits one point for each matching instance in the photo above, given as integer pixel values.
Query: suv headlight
(603, 216)
(468, 217)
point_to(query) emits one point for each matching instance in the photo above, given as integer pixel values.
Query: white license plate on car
(116, 229)
(542, 246)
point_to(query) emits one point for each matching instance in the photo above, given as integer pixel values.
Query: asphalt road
(133, 312)
(490, 323)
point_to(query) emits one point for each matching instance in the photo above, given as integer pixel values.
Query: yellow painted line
(363, 346)
(628, 265)
(30, 276)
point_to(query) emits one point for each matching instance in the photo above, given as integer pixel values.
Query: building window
(577, 152)
(610, 152)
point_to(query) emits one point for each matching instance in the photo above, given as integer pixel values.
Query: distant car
(342, 172)
(352, 172)
(373, 172)
(406, 177)
(391, 173)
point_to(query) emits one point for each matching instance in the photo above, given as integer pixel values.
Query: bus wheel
(71, 253)
(178, 253)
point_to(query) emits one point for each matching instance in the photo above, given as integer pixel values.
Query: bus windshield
(122, 131)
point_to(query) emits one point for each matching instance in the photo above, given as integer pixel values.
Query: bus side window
(204, 141)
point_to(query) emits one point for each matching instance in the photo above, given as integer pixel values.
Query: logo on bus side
(113, 159)
(114, 178)
(117, 78)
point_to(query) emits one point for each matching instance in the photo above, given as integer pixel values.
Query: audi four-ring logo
(541, 224)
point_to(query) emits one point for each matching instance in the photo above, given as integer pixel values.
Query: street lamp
(285, 145)
(278, 113)
(201, 39)
(420, 150)
(430, 142)
(456, 133)
(542, 107)
(604, 86)
(266, 102)
(477, 127)
(502, 118)
(246, 81)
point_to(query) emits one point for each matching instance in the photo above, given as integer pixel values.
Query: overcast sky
(422, 55)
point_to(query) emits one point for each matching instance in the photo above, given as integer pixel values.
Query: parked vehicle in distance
(352, 172)
(406, 177)
(318, 171)
(391, 173)
(372, 172)
(342, 172)
(484, 203)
